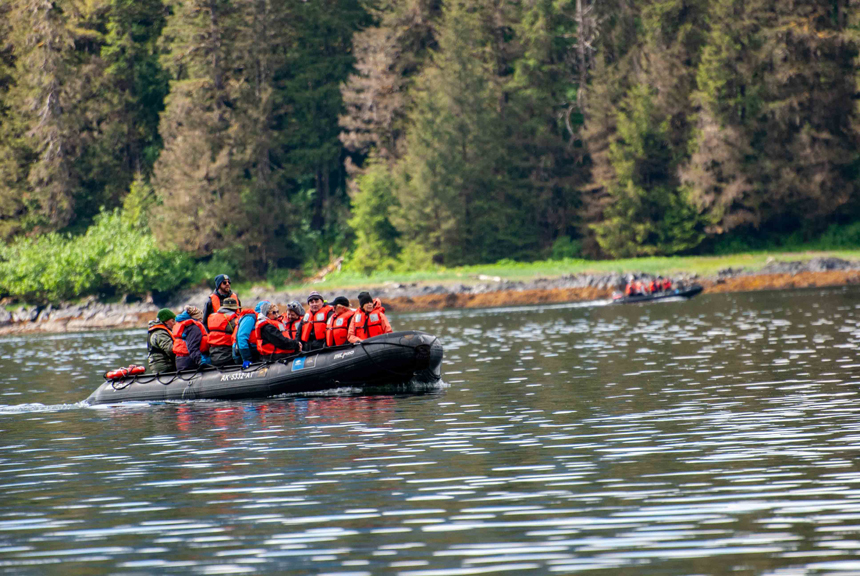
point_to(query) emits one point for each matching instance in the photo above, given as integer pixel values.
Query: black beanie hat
(364, 298)
(342, 300)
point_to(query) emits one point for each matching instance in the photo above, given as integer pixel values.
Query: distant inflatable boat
(386, 360)
(677, 293)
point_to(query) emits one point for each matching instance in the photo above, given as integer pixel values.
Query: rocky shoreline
(483, 292)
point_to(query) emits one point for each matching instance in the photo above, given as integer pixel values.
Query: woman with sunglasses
(271, 342)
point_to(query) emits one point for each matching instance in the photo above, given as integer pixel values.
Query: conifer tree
(40, 138)
(388, 56)
(197, 177)
(648, 213)
(134, 86)
(457, 199)
(777, 128)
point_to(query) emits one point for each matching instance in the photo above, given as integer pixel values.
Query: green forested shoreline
(145, 144)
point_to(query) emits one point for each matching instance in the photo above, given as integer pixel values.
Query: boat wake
(36, 407)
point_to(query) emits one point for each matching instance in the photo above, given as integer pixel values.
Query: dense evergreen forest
(146, 143)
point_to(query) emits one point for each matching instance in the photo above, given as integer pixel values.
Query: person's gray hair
(264, 309)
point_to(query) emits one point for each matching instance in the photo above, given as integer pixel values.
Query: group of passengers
(637, 287)
(225, 333)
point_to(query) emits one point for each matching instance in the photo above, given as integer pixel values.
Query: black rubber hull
(386, 360)
(686, 293)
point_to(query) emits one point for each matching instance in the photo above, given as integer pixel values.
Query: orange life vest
(369, 325)
(267, 348)
(180, 348)
(218, 335)
(292, 330)
(252, 340)
(215, 299)
(149, 336)
(315, 322)
(337, 328)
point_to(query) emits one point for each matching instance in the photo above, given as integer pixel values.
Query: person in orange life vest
(293, 320)
(190, 340)
(159, 342)
(368, 321)
(314, 322)
(337, 327)
(221, 325)
(271, 342)
(222, 291)
(628, 290)
(653, 287)
(667, 285)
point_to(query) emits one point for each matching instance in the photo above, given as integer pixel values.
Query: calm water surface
(716, 436)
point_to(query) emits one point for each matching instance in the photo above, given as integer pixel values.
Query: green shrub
(565, 247)
(113, 256)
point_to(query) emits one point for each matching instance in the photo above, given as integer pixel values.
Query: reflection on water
(718, 435)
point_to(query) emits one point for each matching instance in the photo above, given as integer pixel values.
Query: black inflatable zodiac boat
(687, 293)
(386, 360)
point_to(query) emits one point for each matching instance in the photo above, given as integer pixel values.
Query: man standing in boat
(221, 293)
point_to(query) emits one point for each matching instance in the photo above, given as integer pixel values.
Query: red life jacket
(218, 335)
(180, 348)
(652, 287)
(267, 348)
(252, 340)
(667, 285)
(317, 323)
(215, 299)
(292, 331)
(369, 325)
(337, 328)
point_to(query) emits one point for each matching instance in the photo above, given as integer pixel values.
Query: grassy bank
(519, 271)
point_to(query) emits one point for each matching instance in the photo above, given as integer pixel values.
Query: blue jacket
(242, 348)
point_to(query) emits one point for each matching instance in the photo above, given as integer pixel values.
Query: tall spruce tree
(457, 199)
(649, 55)
(134, 86)
(197, 177)
(388, 56)
(648, 214)
(541, 89)
(41, 136)
(308, 90)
